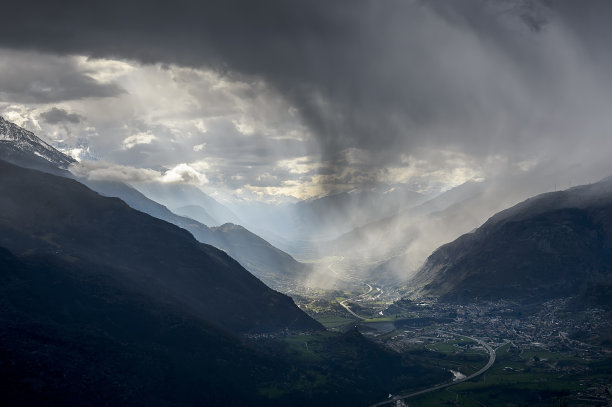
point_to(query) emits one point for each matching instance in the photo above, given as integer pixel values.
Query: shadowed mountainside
(273, 266)
(276, 268)
(42, 213)
(103, 305)
(74, 335)
(554, 245)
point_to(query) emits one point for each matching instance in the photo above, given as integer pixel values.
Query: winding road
(343, 303)
(488, 348)
(346, 307)
(445, 385)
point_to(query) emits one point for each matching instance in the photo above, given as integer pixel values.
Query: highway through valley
(346, 307)
(344, 303)
(445, 385)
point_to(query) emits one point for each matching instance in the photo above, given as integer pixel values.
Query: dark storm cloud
(382, 76)
(25, 78)
(56, 115)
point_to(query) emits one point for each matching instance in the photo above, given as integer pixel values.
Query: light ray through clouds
(372, 106)
(361, 87)
(165, 115)
(162, 112)
(431, 92)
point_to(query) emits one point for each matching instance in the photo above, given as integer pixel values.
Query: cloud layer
(247, 85)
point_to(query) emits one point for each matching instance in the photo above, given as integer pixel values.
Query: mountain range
(275, 267)
(189, 200)
(47, 214)
(101, 304)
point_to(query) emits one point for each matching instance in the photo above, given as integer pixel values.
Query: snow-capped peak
(25, 141)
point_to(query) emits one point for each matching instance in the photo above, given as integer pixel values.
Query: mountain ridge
(270, 264)
(25, 140)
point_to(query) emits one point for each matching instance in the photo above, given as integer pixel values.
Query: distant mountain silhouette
(198, 213)
(273, 266)
(179, 195)
(323, 218)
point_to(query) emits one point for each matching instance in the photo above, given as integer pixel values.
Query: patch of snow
(42, 156)
(28, 142)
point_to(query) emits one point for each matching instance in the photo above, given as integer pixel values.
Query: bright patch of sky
(173, 124)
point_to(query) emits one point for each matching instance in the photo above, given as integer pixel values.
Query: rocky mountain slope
(19, 145)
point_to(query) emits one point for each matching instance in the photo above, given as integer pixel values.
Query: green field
(334, 321)
(522, 380)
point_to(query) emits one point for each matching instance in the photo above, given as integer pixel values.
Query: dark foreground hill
(47, 214)
(554, 245)
(104, 305)
(74, 336)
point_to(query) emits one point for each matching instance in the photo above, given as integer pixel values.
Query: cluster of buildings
(549, 326)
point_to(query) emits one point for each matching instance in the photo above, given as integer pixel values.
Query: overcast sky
(294, 99)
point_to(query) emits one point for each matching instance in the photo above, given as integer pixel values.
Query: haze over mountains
(189, 200)
(331, 215)
(270, 264)
(387, 251)
(274, 266)
(305, 203)
(99, 300)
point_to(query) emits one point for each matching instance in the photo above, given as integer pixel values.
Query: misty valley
(306, 203)
(110, 297)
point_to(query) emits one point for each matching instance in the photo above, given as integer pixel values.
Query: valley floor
(544, 355)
